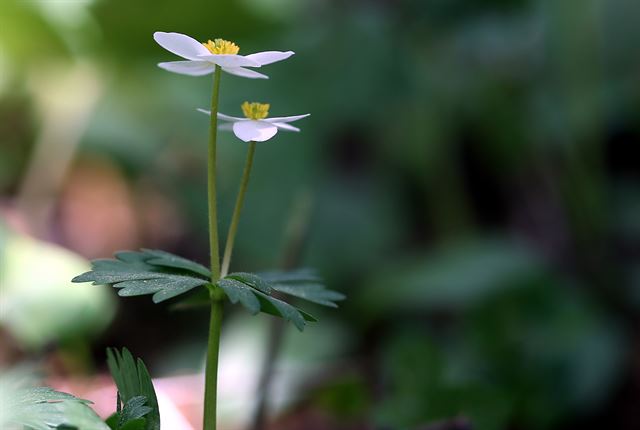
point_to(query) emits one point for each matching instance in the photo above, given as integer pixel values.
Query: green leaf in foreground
(135, 389)
(148, 272)
(133, 410)
(42, 408)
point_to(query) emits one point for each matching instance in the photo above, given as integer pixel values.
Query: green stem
(211, 375)
(226, 260)
(213, 212)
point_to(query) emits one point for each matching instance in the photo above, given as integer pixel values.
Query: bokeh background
(469, 177)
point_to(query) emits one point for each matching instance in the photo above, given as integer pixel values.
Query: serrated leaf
(134, 409)
(236, 291)
(149, 272)
(133, 380)
(166, 259)
(304, 284)
(254, 281)
(272, 306)
(241, 287)
(162, 289)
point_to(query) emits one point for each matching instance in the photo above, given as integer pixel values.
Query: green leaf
(133, 380)
(164, 288)
(133, 410)
(149, 272)
(254, 293)
(237, 291)
(138, 424)
(254, 281)
(272, 306)
(304, 284)
(112, 421)
(42, 408)
(162, 258)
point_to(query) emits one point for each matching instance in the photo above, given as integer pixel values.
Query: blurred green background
(473, 173)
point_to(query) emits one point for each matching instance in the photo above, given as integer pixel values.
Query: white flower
(202, 58)
(256, 126)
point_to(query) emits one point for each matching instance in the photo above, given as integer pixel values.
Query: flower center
(221, 46)
(255, 110)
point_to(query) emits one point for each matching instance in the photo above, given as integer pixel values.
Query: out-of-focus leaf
(148, 272)
(133, 381)
(297, 276)
(112, 421)
(42, 408)
(138, 424)
(41, 306)
(456, 276)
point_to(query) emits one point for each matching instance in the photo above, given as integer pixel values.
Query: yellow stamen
(255, 110)
(221, 46)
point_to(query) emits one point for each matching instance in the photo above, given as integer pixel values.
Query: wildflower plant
(166, 276)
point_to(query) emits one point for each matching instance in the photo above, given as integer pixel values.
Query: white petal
(286, 118)
(245, 73)
(268, 57)
(180, 44)
(191, 68)
(223, 116)
(230, 118)
(283, 126)
(229, 60)
(225, 126)
(257, 131)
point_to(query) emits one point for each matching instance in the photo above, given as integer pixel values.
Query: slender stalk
(213, 211)
(226, 260)
(211, 375)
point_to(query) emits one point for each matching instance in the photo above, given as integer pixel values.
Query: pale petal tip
(157, 34)
(204, 111)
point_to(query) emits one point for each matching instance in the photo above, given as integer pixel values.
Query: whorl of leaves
(165, 276)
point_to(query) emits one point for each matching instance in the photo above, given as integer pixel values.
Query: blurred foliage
(41, 408)
(39, 304)
(526, 355)
(474, 166)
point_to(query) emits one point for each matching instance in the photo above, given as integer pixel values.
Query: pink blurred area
(95, 211)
